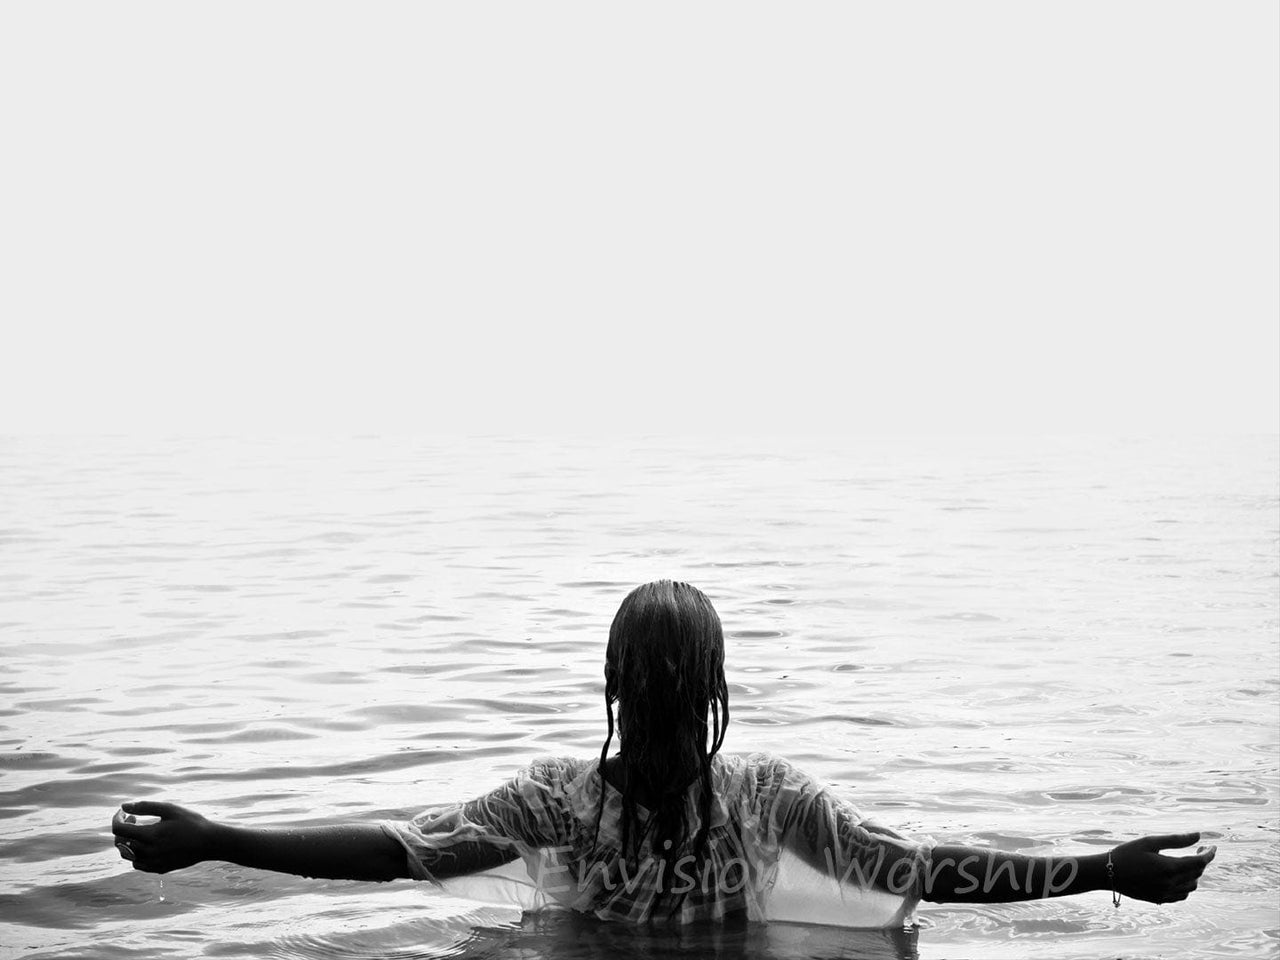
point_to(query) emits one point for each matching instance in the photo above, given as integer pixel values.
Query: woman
(667, 827)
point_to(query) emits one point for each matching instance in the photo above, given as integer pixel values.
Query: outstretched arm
(960, 874)
(829, 833)
(182, 838)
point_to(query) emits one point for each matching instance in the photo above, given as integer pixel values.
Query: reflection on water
(561, 935)
(1049, 644)
(571, 937)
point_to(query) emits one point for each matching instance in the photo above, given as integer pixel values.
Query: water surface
(1040, 645)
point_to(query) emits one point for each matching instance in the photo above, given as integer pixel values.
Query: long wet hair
(664, 672)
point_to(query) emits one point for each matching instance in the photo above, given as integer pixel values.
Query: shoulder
(553, 772)
(548, 765)
(539, 787)
(766, 776)
(768, 767)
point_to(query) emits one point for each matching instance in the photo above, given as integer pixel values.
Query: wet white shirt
(781, 847)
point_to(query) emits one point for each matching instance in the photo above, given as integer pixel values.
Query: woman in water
(667, 827)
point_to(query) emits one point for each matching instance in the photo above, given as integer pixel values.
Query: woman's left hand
(179, 839)
(1143, 873)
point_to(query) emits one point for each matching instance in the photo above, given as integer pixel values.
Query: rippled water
(1034, 644)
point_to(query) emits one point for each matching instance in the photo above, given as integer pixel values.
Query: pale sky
(886, 217)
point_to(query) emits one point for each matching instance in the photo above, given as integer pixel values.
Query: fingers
(1182, 888)
(1169, 840)
(1187, 874)
(141, 856)
(151, 808)
(147, 846)
(123, 825)
(134, 851)
(1191, 867)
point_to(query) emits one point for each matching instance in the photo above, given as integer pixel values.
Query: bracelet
(1111, 876)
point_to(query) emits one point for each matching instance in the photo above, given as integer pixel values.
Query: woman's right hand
(1144, 873)
(178, 840)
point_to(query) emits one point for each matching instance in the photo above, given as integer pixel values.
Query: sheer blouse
(781, 846)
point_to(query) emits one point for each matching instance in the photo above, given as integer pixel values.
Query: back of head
(664, 670)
